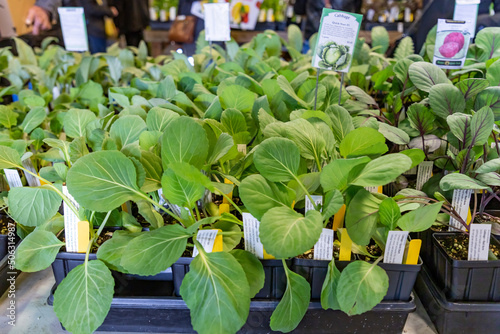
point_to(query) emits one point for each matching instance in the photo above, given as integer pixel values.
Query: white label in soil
(207, 239)
(70, 223)
(160, 194)
(318, 200)
(32, 181)
(479, 242)
(395, 247)
(217, 22)
(372, 189)
(424, 173)
(251, 232)
(242, 148)
(13, 178)
(460, 202)
(323, 250)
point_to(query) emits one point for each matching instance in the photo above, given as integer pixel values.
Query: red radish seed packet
(452, 43)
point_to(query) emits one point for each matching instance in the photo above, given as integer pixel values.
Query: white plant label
(460, 202)
(32, 181)
(251, 232)
(74, 28)
(395, 247)
(424, 173)
(207, 239)
(318, 200)
(13, 178)
(479, 242)
(467, 11)
(372, 189)
(323, 250)
(217, 22)
(70, 223)
(242, 148)
(162, 199)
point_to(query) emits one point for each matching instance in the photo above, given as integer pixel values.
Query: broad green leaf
(363, 141)
(488, 42)
(60, 146)
(277, 159)
(421, 118)
(253, 269)
(383, 170)
(416, 156)
(222, 146)
(425, 75)
(361, 286)
(159, 118)
(102, 181)
(489, 166)
(460, 127)
(184, 140)
(234, 121)
(420, 219)
(9, 158)
(115, 68)
(389, 213)
(127, 129)
(361, 217)
(76, 121)
(393, 134)
(37, 251)
(217, 292)
(297, 234)
(460, 181)
(309, 181)
(380, 39)
(8, 118)
(77, 149)
(337, 174)
(288, 89)
(149, 213)
(309, 141)
(481, 126)
(33, 119)
(329, 290)
(83, 299)
(149, 139)
(333, 202)
(489, 97)
(295, 39)
(152, 166)
(405, 48)
(155, 251)
(33, 206)
(471, 87)
(491, 179)
(360, 95)
(493, 74)
(180, 191)
(293, 305)
(236, 97)
(446, 99)
(25, 52)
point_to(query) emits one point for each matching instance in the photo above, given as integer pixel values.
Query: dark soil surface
(309, 255)
(457, 247)
(4, 224)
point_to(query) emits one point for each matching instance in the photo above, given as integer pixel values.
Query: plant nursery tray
(456, 317)
(171, 315)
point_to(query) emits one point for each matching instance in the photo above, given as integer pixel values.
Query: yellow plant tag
(413, 251)
(125, 207)
(218, 243)
(230, 195)
(268, 256)
(345, 246)
(293, 204)
(338, 218)
(469, 217)
(223, 208)
(83, 236)
(43, 182)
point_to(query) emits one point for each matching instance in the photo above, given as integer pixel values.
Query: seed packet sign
(452, 43)
(338, 32)
(217, 22)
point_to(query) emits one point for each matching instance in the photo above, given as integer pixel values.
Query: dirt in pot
(439, 228)
(4, 224)
(309, 255)
(105, 235)
(457, 246)
(374, 250)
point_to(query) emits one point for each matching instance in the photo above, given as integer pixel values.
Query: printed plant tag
(323, 250)
(251, 232)
(337, 36)
(71, 221)
(83, 233)
(32, 181)
(395, 247)
(345, 246)
(217, 22)
(207, 239)
(452, 43)
(375, 189)
(467, 11)
(479, 242)
(413, 251)
(242, 148)
(318, 200)
(13, 178)
(460, 202)
(74, 28)
(424, 173)
(338, 218)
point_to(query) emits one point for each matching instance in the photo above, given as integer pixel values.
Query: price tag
(345, 246)
(32, 181)
(242, 148)
(395, 247)
(74, 28)
(13, 178)
(452, 43)
(217, 22)
(318, 200)
(323, 250)
(207, 239)
(338, 218)
(479, 242)
(467, 11)
(71, 224)
(337, 36)
(424, 173)
(251, 232)
(460, 202)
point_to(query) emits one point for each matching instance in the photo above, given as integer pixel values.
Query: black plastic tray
(465, 280)
(453, 317)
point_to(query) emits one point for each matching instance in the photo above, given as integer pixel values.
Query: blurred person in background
(95, 12)
(132, 19)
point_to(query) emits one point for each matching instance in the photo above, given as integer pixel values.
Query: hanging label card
(217, 22)
(71, 222)
(467, 11)
(251, 232)
(318, 200)
(32, 181)
(323, 250)
(337, 36)
(424, 173)
(345, 246)
(452, 43)
(13, 178)
(74, 28)
(460, 202)
(413, 251)
(479, 242)
(207, 239)
(395, 247)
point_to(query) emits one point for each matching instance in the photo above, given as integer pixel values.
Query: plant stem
(96, 236)
(230, 233)
(197, 212)
(307, 193)
(173, 215)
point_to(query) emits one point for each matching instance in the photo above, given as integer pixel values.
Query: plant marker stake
(83, 236)
(345, 246)
(413, 251)
(316, 92)
(341, 85)
(230, 194)
(223, 208)
(338, 218)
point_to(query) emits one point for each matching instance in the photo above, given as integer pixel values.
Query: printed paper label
(452, 43)
(207, 239)
(318, 200)
(242, 148)
(374, 189)
(337, 36)
(479, 242)
(13, 178)
(424, 173)
(395, 247)
(251, 232)
(460, 202)
(217, 22)
(467, 12)
(32, 181)
(323, 250)
(71, 221)
(74, 28)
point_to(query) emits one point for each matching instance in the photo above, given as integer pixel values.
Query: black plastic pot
(452, 317)
(465, 280)
(275, 279)
(401, 276)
